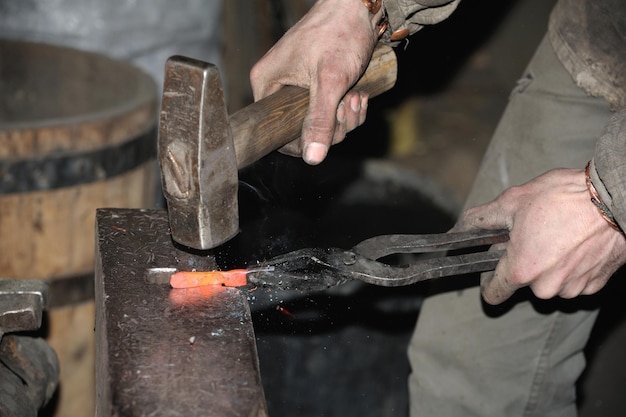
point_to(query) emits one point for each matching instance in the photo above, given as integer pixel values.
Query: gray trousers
(522, 358)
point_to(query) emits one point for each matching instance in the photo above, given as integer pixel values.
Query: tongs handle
(368, 270)
(377, 273)
(379, 246)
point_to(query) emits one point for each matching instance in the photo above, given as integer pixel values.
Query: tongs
(314, 269)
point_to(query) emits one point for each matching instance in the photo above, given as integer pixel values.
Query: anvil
(161, 351)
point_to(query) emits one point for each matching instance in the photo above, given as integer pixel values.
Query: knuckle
(549, 287)
(593, 287)
(489, 298)
(543, 293)
(319, 126)
(517, 276)
(330, 78)
(255, 72)
(257, 76)
(511, 194)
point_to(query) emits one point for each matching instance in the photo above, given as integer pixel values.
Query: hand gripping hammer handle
(274, 121)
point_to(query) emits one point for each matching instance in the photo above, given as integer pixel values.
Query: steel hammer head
(197, 155)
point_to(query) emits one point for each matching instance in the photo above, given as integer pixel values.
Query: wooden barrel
(77, 132)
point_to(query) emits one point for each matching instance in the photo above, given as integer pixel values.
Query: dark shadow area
(434, 57)
(287, 205)
(427, 63)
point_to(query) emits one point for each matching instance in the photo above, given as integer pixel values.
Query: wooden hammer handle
(276, 120)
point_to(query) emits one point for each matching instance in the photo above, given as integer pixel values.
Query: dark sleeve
(408, 16)
(610, 166)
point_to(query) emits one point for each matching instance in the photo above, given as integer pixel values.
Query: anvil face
(161, 351)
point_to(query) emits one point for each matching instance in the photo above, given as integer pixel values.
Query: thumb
(320, 122)
(488, 216)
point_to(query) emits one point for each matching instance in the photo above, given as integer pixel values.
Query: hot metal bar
(161, 351)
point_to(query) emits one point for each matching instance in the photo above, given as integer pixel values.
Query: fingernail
(314, 153)
(341, 112)
(355, 104)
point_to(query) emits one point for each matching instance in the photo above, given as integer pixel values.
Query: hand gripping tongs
(315, 269)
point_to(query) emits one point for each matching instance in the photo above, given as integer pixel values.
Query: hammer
(201, 148)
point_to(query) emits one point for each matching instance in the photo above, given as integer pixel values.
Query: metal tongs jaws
(313, 269)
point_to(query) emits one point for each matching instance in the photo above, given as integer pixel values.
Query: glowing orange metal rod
(230, 278)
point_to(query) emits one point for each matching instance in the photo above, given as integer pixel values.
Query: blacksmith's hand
(560, 245)
(325, 52)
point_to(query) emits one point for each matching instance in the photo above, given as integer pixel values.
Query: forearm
(609, 176)
(408, 16)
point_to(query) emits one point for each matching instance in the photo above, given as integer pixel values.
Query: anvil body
(161, 351)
